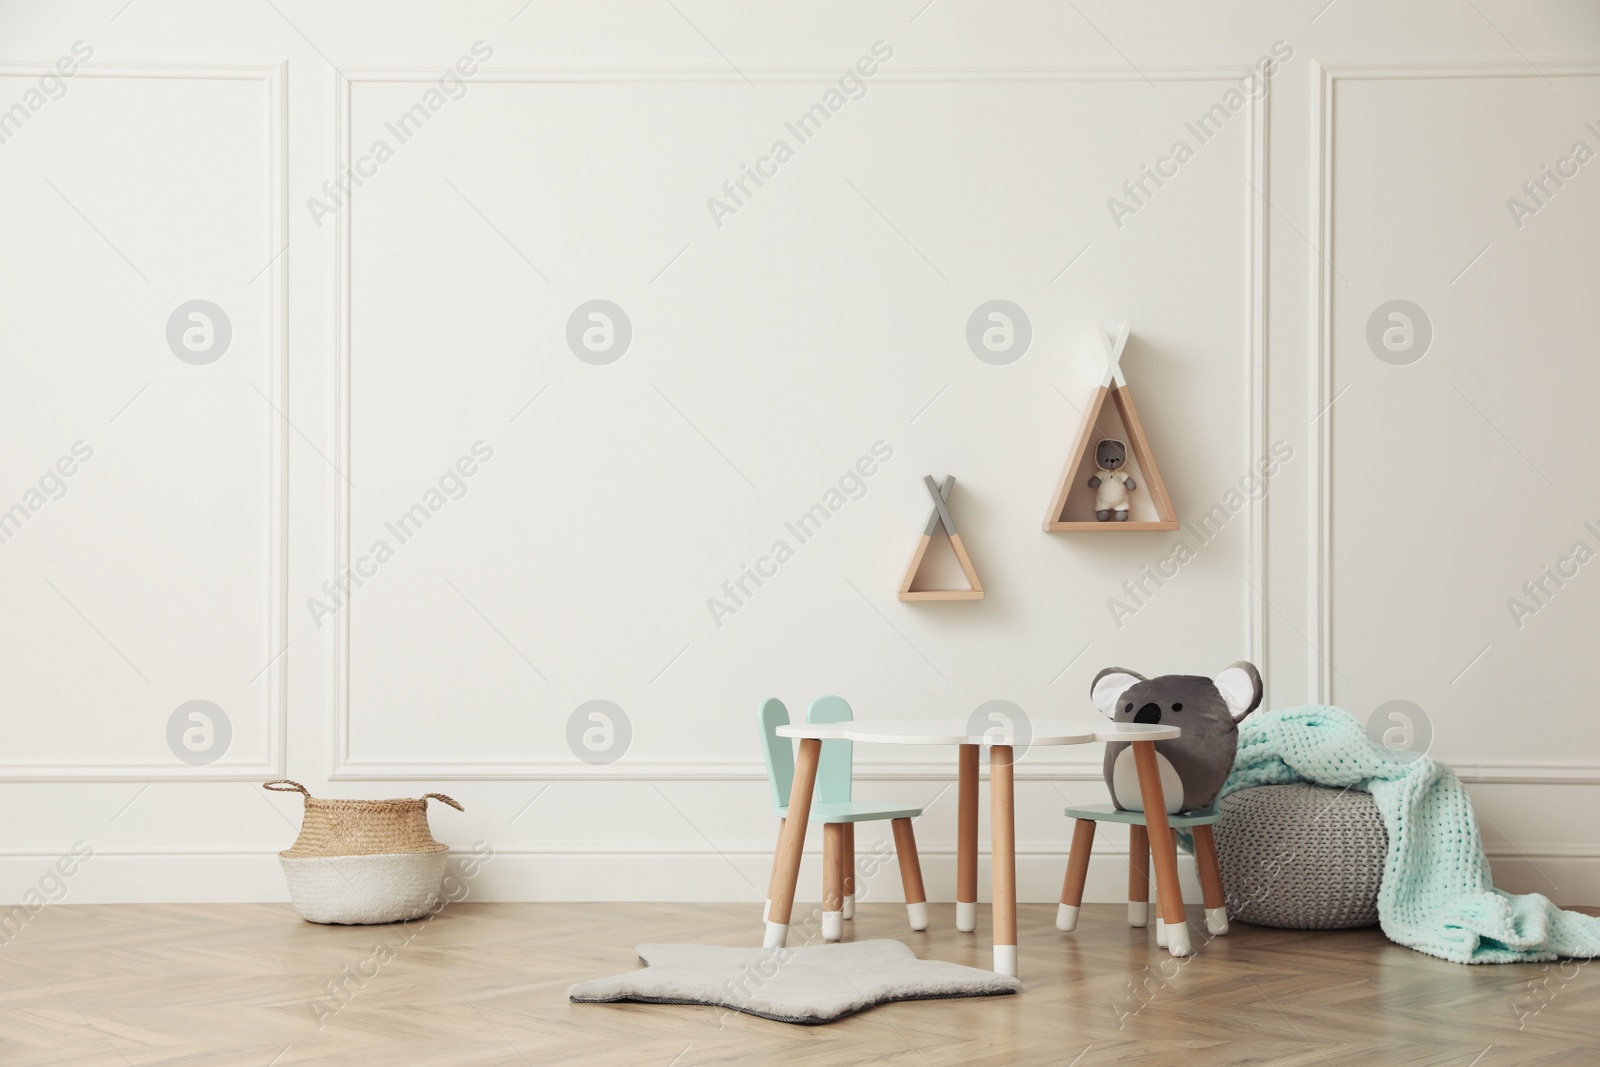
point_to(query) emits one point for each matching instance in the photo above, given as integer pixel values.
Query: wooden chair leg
(1138, 876)
(777, 850)
(905, 844)
(832, 881)
(967, 841)
(849, 871)
(1205, 857)
(1077, 874)
(1170, 923)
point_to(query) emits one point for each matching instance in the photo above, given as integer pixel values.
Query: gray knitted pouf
(1303, 857)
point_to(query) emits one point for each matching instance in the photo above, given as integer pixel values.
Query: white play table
(1001, 742)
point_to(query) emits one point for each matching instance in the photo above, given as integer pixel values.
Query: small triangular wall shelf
(940, 517)
(1112, 414)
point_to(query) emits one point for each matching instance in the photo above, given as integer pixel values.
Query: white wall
(376, 343)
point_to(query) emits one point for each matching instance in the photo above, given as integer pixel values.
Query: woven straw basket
(364, 861)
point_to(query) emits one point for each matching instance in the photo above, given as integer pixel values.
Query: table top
(1044, 732)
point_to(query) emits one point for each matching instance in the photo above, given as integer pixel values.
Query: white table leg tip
(1217, 921)
(917, 915)
(1178, 940)
(1161, 933)
(849, 907)
(1005, 960)
(766, 910)
(1066, 918)
(966, 916)
(832, 925)
(1138, 913)
(777, 935)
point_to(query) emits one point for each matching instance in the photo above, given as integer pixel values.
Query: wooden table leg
(794, 842)
(1077, 874)
(1162, 848)
(1138, 876)
(1205, 857)
(967, 841)
(1003, 846)
(1162, 927)
(849, 870)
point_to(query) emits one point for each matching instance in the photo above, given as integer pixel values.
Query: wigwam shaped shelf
(941, 514)
(1080, 461)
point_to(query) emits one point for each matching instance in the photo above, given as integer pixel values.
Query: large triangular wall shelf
(1113, 387)
(941, 514)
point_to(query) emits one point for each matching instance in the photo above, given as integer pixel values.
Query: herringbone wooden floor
(251, 985)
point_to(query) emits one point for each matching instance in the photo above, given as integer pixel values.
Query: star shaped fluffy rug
(808, 985)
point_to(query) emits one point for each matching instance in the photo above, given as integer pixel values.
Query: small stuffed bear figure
(1111, 489)
(1207, 710)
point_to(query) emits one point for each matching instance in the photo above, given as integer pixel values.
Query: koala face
(1185, 700)
(1189, 701)
(1110, 455)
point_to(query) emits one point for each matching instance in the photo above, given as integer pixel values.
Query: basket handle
(441, 798)
(284, 785)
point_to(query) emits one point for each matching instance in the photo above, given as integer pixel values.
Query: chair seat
(1110, 813)
(854, 811)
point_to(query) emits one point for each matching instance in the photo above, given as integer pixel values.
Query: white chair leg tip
(832, 925)
(1066, 918)
(766, 910)
(1161, 933)
(849, 907)
(1217, 921)
(777, 935)
(1005, 960)
(917, 915)
(1178, 940)
(1138, 913)
(966, 916)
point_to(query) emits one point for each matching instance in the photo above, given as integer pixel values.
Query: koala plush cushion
(1207, 710)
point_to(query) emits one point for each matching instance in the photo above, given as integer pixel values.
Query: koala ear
(1240, 686)
(1108, 686)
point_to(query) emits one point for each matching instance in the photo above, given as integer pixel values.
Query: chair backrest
(834, 773)
(779, 751)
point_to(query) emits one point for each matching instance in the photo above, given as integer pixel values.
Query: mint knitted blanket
(1437, 894)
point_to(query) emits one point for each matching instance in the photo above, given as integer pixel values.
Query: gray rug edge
(807, 1020)
(981, 983)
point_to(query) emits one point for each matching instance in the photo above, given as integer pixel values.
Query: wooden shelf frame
(1114, 387)
(941, 514)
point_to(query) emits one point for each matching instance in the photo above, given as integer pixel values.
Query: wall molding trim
(606, 75)
(348, 767)
(274, 671)
(1326, 75)
(865, 771)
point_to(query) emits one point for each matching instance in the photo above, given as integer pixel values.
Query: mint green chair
(1199, 823)
(838, 813)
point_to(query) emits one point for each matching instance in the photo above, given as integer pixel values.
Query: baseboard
(1568, 875)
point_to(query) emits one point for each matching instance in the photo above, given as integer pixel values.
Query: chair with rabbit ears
(838, 812)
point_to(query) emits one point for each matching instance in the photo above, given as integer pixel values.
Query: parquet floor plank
(484, 985)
